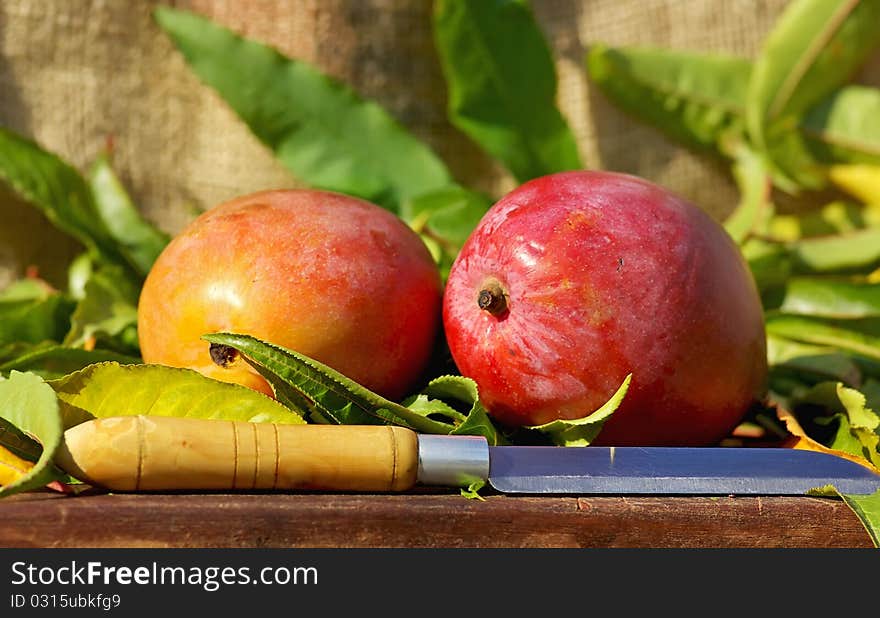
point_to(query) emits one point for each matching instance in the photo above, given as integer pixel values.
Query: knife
(152, 453)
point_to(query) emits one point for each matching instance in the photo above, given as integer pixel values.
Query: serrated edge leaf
(582, 431)
(465, 390)
(317, 379)
(800, 440)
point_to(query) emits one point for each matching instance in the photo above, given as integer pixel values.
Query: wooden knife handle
(153, 453)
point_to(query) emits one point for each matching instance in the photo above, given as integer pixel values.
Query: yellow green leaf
(111, 389)
(12, 468)
(860, 180)
(30, 406)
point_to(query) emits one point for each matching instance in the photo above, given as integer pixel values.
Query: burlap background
(73, 72)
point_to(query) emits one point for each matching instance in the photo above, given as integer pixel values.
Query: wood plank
(43, 519)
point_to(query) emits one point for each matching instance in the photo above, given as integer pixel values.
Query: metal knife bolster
(457, 461)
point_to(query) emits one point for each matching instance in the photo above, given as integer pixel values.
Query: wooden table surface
(430, 519)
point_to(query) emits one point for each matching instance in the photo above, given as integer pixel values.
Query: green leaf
(870, 368)
(871, 390)
(755, 208)
(320, 129)
(694, 98)
(17, 443)
(502, 85)
(845, 127)
(582, 431)
(831, 297)
(78, 273)
(857, 424)
(334, 397)
(837, 217)
(107, 310)
(31, 312)
(51, 361)
(472, 491)
(813, 49)
(449, 215)
(58, 190)
(28, 404)
(867, 509)
(110, 389)
(700, 100)
(861, 181)
(770, 263)
(15, 349)
(846, 338)
(848, 439)
(865, 506)
(445, 219)
(464, 391)
(854, 251)
(424, 405)
(137, 239)
(811, 363)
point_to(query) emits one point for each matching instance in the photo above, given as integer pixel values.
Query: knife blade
(674, 471)
(150, 453)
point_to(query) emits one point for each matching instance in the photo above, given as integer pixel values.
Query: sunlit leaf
(814, 48)
(582, 431)
(800, 440)
(335, 397)
(853, 251)
(110, 389)
(29, 405)
(445, 219)
(867, 508)
(846, 408)
(770, 263)
(136, 238)
(55, 187)
(465, 392)
(501, 81)
(810, 363)
(831, 297)
(107, 310)
(693, 98)
(861, 180)
(845, 127)
(326, 134)
(12, 468)
(837, 217)
(846, 336)
(755, 207)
